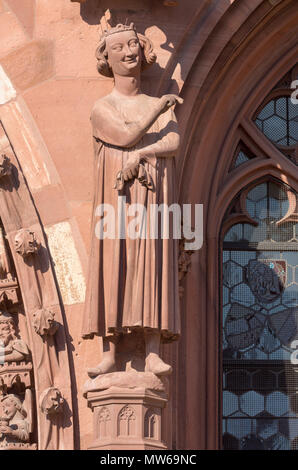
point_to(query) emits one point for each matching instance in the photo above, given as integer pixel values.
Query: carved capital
(51, 401)
(44, 322)
(5, 165)
(26, 243)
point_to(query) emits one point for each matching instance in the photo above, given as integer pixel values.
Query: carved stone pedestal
(127, 410)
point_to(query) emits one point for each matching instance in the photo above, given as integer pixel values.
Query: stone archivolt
(16, 377)
(28, 292)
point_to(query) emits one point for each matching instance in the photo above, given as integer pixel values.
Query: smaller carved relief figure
(12, 349)
(14, 421)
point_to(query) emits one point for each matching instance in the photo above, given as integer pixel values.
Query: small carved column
(127, 409)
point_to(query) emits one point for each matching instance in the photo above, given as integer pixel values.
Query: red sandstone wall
(47, 52)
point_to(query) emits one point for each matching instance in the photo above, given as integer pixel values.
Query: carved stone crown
(118, 29)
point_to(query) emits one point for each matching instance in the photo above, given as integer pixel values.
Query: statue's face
(9, 409)
(5, 332)
(124, 53)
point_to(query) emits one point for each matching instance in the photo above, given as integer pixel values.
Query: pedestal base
(127, 415)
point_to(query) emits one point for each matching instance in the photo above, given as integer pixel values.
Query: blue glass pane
(261, 209)
(267, 111)
(275, 128)
(241, 158)
(258, 192)
(234, 234)
(293, 130)
(293, 111)
(260, 323)
(281, 107)
(278, 121)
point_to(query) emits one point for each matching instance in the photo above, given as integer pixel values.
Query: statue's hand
(167, 101)
(131, 167)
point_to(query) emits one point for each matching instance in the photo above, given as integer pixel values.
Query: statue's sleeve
(167, 142)
(109, 127)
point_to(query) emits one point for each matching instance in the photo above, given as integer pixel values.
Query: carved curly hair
(16, 401)
(148, 56)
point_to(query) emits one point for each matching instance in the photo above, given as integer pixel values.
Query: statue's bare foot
(156, 365)
(104, 367)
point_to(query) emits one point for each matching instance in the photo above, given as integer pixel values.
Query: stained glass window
(241, 158)
(260, 323)
(242, 155)
(278, 117)
(278, 120)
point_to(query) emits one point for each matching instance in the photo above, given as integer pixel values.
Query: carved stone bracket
(44, 323)
(26, 243)
(51, 401)
(5, 165)
(127, 410)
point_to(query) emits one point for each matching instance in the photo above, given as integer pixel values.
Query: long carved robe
(133, 283)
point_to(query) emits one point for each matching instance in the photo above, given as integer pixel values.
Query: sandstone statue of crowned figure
(132, 283)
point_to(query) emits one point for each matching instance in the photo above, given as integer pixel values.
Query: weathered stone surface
(35, 63)
(25, 13)
(53, 105)
(12, 34)
(7, 91)
(67, 263)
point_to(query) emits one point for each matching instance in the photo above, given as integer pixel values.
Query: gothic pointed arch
(220, 127)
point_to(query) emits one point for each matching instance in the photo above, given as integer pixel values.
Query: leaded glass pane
(241, 158)
(278, 120)
(260, 323)
(243, 154)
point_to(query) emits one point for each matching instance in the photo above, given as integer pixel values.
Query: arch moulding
(222, 92)
(45, 322)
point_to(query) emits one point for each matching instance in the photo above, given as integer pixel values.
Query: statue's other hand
(170, 100)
